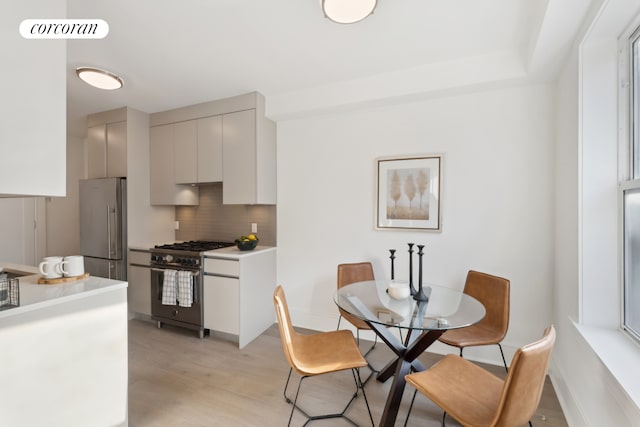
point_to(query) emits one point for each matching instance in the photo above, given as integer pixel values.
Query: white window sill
(619, 353)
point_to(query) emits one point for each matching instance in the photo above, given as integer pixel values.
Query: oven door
(189, 317)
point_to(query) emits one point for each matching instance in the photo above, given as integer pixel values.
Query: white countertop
(232, 252)
(34, 296)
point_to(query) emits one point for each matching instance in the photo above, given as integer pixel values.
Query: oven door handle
(160, 270)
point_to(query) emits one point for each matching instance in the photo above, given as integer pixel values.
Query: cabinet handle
(228, 276)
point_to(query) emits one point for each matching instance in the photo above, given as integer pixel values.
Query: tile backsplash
(211, 220)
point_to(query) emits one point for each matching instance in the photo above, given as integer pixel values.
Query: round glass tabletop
(446, 308)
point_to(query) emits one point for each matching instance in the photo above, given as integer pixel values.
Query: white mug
(49, 267)
(72, 266)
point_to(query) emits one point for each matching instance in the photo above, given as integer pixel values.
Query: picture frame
(409, 193)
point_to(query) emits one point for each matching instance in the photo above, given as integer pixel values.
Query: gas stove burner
(195, 246)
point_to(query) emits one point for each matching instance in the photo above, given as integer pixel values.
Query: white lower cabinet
(222, 302)
(139, 278)
(238, 293)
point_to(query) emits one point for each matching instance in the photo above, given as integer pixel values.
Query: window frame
(629, 151)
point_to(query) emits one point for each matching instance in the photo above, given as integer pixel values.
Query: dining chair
(352, 273)
(475, 397)
(317, 354)
(493, 293)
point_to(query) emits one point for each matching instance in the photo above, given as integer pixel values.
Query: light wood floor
(177, 379)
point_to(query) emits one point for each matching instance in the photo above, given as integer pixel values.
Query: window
(630, 190)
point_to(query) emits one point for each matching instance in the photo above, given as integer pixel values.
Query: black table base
(406, 362)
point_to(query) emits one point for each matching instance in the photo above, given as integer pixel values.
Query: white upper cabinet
(161, 174)
(162, 177)
(249, 158)
(97, 151)
(33, 134)
(117, 150)
(185, 148)
(210, 149)
(239, 157)
(228, 140)
(107, 150)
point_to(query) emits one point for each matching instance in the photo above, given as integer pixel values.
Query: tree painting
(404, 185)
(395, 189)
(423, 184)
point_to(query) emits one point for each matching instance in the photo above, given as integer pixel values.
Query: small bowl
(246, 246)
(399, 290)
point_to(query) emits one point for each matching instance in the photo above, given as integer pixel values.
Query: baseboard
(569, 405)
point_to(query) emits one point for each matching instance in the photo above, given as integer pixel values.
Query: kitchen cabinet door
(162, 187)
(97, 152)
(161, 173)
(185, 152)
(116, 148)
(249, 159)
(239, 157)
(221, 303)
(139, 290)
(107, 150)
(210, 149)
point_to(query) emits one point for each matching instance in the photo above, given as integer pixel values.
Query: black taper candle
(420, 253)
(420, 295)
(393, 256)
(413, 291)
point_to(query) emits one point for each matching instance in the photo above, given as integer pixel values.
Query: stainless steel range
(177, 271)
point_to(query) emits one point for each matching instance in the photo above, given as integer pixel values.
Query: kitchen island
(64, 353)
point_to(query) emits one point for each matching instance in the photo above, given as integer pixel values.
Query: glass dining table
(422, 321)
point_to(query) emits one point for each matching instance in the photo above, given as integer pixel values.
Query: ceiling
(176, 53)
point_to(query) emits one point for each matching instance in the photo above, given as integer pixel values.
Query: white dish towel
(169, 287)
(185, 288)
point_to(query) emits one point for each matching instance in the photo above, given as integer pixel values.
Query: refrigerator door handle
(110, 211)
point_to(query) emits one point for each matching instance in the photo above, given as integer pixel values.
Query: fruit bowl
(246, 244)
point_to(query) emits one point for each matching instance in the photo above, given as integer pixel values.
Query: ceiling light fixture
(99, 78)
(348, 11)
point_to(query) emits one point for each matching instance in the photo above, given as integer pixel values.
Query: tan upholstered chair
(317, 354)
(352, 273)
(475, 397)
(493, 293)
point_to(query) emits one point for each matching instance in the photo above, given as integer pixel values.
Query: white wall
(497, 199)
(63, 213)
(22, 227)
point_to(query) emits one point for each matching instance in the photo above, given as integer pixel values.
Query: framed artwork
(409, 193)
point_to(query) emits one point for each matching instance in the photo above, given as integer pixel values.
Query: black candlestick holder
(411, 288)
(420, 295)
(392, 257)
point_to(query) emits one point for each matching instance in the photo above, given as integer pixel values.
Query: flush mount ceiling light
(99, 78)
(348, 11)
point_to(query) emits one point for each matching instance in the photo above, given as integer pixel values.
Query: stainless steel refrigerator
(103, 227)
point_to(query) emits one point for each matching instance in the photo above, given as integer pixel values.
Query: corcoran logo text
(64, 28)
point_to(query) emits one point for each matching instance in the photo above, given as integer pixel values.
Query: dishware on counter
(49, 267)
(71, 266)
